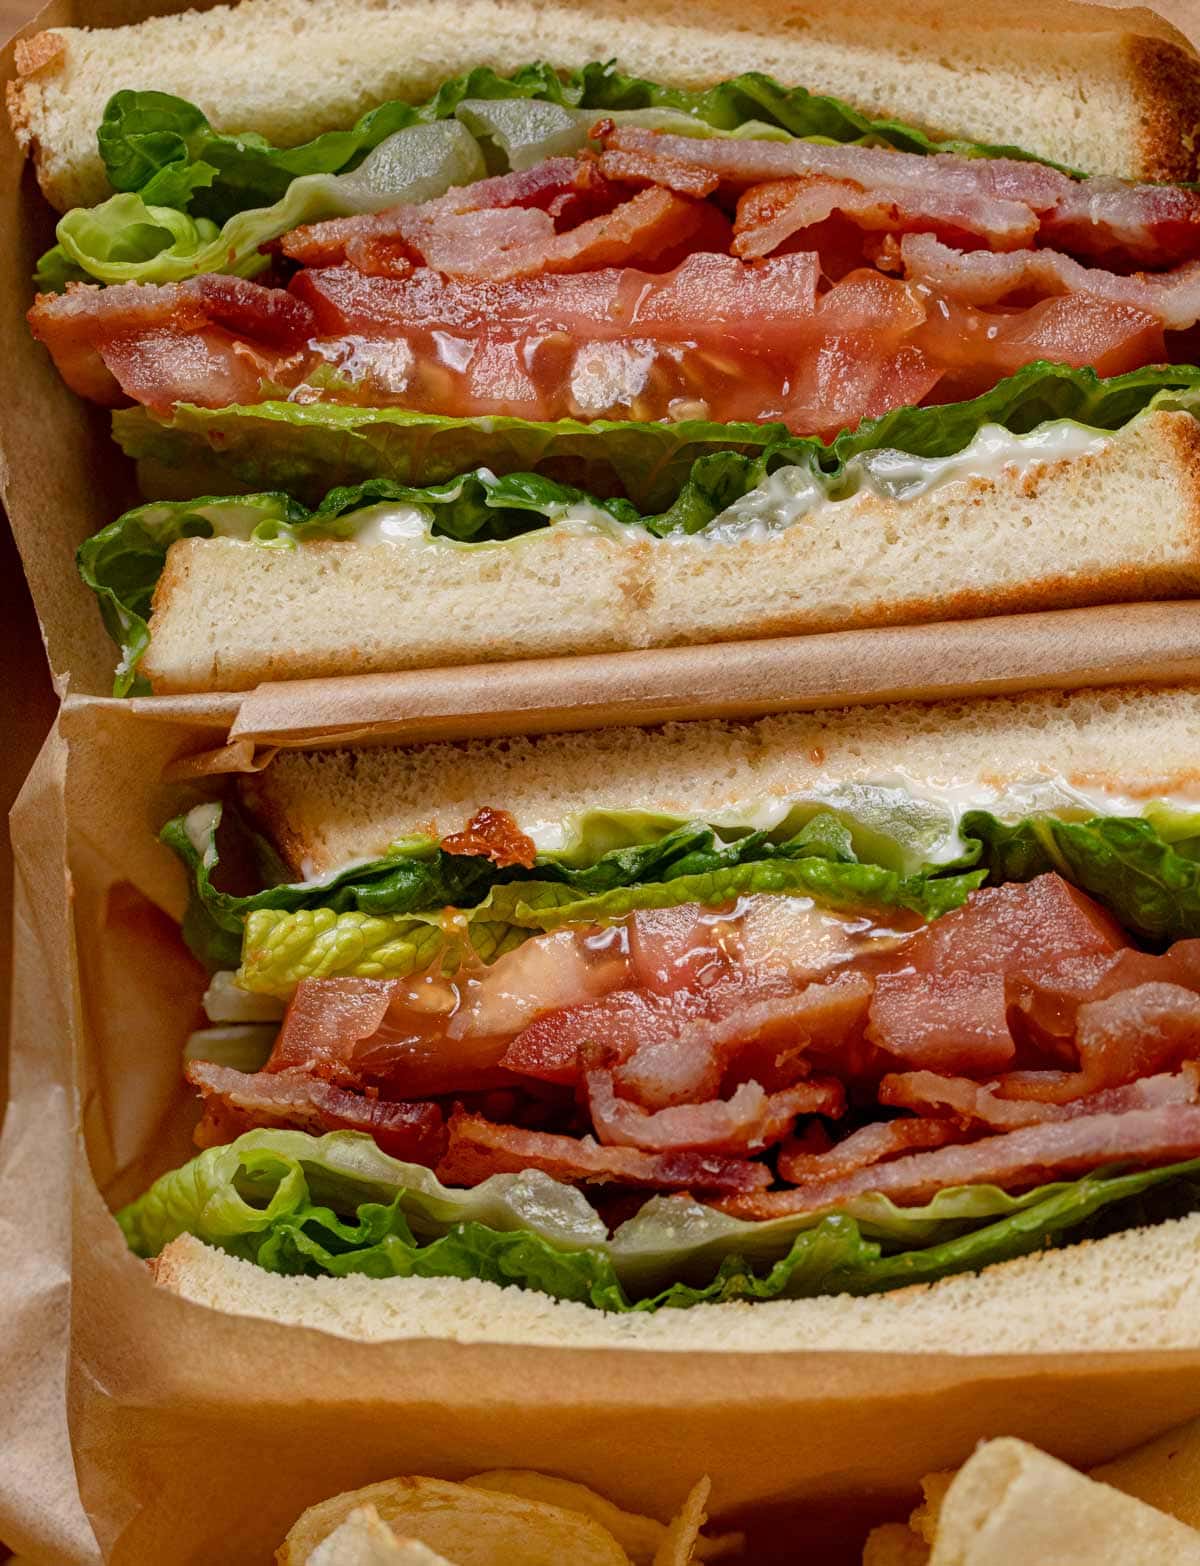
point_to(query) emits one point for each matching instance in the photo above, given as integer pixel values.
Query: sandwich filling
(874, 1039)
(591, 247)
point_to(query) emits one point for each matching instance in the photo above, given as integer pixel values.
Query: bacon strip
(745, 1123)
(981, 278)
(992, 198)
(475, 233)
(768, 215)
(981, 1104)
(1014, 1161)
(479, 1148)
(210, 340)
(556, 187)
(413, 1132)
(1119, 1038)
(798, 1163)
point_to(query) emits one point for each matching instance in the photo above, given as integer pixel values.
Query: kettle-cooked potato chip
(470, 1527)
(640, 1537)
(364, 1539)
(678, 1547)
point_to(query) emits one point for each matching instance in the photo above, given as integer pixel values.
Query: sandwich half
(541, 358)
(825, 1004)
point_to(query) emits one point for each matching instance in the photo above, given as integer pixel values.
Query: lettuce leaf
(305, 449)
(701, 470)
(129, 240)
(1151, 884)
(280, 948)
(165, 149)
(336, 1205)
(387, 915)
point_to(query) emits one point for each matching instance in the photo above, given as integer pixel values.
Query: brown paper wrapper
(139, 1427)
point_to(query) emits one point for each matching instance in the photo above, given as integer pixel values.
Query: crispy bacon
(1015, 1161)
(748, 1121)
(979, 277)
(971, 1103)
(1150, 225)
(479, 1148)
(800, 1161)
(553, 187)
(212, 340)
(995, 199)
(695, 1039)
(675, 1049)
(411, 1131)
(635, 168)
(481, 233)
(1120, 1038)
(770, 215)
(493, 834)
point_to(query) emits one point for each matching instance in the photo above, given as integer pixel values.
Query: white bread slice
(1136, 1290)
(326, 807)
(1113, 93)
(1114, 525)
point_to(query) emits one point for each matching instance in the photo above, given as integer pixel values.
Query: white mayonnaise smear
(786, 497)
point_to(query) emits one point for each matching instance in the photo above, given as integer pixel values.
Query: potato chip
(364, 1539)
(678, 1547)
(895, 1544)
(470, 1527)
(1164, 1473)
(639, 1536)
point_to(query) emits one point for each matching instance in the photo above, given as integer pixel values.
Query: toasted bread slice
(1117, 524)
(1108, 92)
(324, 808)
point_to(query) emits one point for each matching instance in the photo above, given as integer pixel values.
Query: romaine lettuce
(337, 1205)
(279, 949)
(384, 916)
(305, 449)
(1151, 883)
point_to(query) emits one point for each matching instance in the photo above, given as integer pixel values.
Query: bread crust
(1167, 88)
(1096, 89)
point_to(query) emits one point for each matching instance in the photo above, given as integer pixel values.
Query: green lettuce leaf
(129, 240)
(695, 480)
(387, 916)
(1151, 884)
(191, 199)
(165, 149)
(305, 449)
(336, 1205)
(279, 948)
